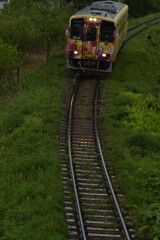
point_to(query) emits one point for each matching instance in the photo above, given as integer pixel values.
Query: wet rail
(93, 211)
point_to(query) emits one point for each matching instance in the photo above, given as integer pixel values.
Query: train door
(90, 45)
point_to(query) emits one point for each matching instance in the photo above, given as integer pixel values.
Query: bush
(144, 115)
(145, 141)
(21, 32)
(9, 58)
(125, 99)
(122, 112)
(140, 8)
(151, 221)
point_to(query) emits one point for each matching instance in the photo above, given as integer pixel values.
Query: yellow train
(95, 35)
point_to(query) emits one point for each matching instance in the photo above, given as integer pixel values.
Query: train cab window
(107, 31)
(77, 29)
(91, 34)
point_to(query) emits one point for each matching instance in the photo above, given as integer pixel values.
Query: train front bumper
(89, 65)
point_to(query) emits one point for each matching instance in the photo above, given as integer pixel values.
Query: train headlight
(76, 52)
(92, 19)
(104, 55)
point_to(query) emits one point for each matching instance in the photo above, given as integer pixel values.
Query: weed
(151, 221)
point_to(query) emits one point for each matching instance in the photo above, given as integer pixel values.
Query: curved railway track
(96, 214)
(92, 209)
(148, 23)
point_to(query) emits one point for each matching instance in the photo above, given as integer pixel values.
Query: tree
(45, 15)
(140, 8)
(20, 32)
(9, 59)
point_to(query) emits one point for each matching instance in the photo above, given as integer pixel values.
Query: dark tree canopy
(137, 8)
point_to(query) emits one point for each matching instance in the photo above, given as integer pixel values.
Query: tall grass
(31, 198)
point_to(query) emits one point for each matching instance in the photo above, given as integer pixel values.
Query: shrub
(143, 140)
(144, 115)
(122, 112)
(9, 58)
(151, 221)
(125, 99)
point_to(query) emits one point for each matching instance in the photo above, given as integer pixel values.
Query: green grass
(131, 128)
(133, 22)
(31, 198)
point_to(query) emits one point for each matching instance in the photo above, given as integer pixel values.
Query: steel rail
(143, 29)
(105, 170)
(71, 162)
(140, 24)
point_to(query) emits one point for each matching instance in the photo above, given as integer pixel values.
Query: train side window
(107, 31)
(77, 29)
(91, 34)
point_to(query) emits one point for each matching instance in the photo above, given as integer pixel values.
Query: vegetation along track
(148, 23)
(96, 214)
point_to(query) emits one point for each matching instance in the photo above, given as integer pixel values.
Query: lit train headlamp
(104, 55)
(75, 52)
(92, 19)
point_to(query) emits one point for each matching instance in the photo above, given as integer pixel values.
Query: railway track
(92, 209)
(148, 23)
(91, 204)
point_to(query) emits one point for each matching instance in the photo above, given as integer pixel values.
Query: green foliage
(125, 99)
(145, 141)
(151, 180)
(82, 3)
(155, 37)
(42, 23)
(151, 221)
(131, 127)
(31, 199)
(145, 7)
(20, 32)
(122, 112)
(144, 115)
(9, 58)
(11, 122)
(136, 8)
(24, 6)
(134, 87)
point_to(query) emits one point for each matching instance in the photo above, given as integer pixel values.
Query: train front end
(91, 44)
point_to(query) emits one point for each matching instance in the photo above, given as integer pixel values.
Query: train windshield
(77, 29)
(91, 34)
(107, 31)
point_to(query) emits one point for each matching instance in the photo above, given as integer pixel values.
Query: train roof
(107, 9)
